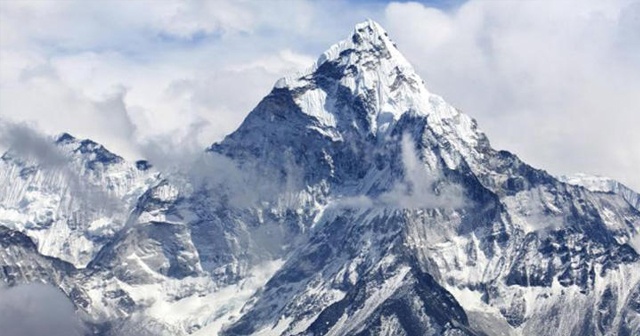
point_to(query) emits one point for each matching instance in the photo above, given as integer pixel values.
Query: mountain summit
(351, 201)
(359, 97)
(369, 65)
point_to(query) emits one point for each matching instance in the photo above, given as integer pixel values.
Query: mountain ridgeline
(351, 201)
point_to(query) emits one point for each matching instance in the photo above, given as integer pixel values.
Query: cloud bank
(554, 82)
(36, 310)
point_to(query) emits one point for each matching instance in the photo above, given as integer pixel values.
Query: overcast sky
(557, 83)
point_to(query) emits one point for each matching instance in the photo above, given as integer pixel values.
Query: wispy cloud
(420, 187)
(29, 145)
(37, 309)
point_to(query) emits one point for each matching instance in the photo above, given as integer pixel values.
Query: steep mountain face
(74, 200)
(603, 185)
(351, 201)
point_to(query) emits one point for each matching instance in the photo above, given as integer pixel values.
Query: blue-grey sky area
(556, 82)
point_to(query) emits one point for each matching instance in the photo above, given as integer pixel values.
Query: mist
(29, 145)
(184, 163)
(418, 189)
(37, 310)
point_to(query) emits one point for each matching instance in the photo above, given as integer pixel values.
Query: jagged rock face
(354, 202)
(603, 185)
(72, 203)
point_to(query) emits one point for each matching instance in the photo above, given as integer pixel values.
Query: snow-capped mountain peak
(346, 122)
(603, 184)
(69, 195)
(361, 94)
(351, 201)
(369, 65)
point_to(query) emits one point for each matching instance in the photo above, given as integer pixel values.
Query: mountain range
(350, 201)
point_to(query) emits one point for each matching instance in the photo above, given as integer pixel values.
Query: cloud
(556, 84)
(420, 188)
(44, 94)
(186, 165)
(249, 184)
(28, 144)
(543, 81)
(35, 310)
(172, 64)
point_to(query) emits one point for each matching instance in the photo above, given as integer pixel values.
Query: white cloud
(420, 188)
(556, 83)
(42, 94)
(129, 73)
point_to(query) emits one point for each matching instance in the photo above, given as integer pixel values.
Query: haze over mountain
(350, 201)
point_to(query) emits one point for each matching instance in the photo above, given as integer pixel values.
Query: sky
(556, 82)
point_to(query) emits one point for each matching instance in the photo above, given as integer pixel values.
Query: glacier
(350, 201)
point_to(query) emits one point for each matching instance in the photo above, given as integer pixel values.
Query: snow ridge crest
(371, 67)
(367, 37)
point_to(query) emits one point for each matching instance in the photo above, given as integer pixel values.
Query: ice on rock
(371, 66)
(64, 206)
